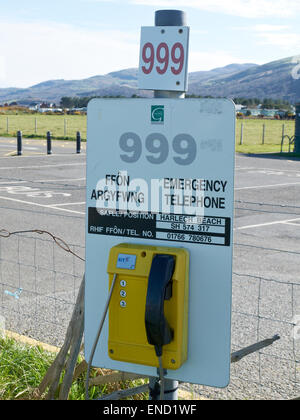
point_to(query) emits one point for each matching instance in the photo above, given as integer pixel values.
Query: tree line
(267, 103)
(78, 102)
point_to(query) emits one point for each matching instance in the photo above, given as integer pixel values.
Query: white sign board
(164, 58)
(161, 172)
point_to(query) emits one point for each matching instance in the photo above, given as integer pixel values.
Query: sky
(76, 39)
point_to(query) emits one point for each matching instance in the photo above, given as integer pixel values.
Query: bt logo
(157, 114)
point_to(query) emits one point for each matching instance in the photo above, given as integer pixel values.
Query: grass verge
(62, 127)
(264, 149)
(23, 366)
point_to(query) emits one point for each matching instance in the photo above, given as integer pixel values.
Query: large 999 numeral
(184, 146)
(162, 56)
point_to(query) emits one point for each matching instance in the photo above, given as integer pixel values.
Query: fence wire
(270, 307)
(39, 282)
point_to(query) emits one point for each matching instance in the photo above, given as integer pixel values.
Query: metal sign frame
(158, 155)
(164, 58)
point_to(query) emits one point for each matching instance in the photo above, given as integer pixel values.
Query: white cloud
(243, 8)
(286, 41)
(35, 52)
(269, 28)
(279, 36)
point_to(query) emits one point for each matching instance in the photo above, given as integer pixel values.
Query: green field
(37, 125)
(253, 135)
(23, 366)
(66, 126)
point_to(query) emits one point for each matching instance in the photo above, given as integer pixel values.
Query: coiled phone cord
(97, 338)
(161, 370)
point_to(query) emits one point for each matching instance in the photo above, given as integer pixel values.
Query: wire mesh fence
(249, 131)
(39, 281)
(39, 124)
(40, 278)
(263, 132)
(270, 307)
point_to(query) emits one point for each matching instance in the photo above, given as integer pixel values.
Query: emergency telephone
(148, 312)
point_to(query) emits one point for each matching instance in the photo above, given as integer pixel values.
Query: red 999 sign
(163, 57)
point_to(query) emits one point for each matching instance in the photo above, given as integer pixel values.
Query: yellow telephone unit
(148, 312)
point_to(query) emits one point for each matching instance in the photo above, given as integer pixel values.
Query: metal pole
(19, 143)
(170, 390)
(78, 142)
(49, 145)
(263, 135)
(297, 129)
(167, 18)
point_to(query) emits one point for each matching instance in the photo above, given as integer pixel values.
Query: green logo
(157, 114)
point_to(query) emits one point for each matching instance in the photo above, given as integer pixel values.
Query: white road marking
(240, 168)
(275, 170)
(267, 186)
(12, 182)
(24, 202)
(43, 166)
(3, 146)
(267, 224)
(68, 210)
(42, 180)
(67, 204)
(57, 180)
(267, 170)
(39, 205)
(40, 155)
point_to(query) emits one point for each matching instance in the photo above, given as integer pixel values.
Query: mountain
(202, 76)
(271, 80)
(53, 90)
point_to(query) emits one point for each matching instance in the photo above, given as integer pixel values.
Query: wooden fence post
(242, 134)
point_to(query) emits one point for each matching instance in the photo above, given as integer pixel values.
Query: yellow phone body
(127, 333)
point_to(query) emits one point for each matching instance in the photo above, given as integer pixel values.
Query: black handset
(159, 333)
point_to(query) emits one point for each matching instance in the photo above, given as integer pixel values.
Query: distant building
(238, 107)
(46, 105)
(251, 112)
(267, 113)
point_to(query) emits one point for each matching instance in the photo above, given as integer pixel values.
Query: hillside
(272, 80)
